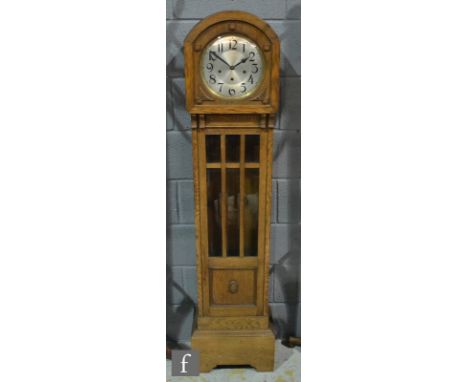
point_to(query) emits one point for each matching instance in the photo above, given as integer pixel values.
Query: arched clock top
(232, 65)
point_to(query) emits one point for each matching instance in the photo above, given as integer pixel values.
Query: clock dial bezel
(260, 80)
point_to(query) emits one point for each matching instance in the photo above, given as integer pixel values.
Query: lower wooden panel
(233, 286)
(242, 347)
(234, 323)
(232, 310)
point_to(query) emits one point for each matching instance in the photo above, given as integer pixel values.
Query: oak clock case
(232, 92)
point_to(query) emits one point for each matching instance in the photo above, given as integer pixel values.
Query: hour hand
(219, 58)
(241, 61)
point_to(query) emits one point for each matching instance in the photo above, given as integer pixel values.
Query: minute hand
(214, 54)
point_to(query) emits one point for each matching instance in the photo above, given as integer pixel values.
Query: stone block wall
(284, 17)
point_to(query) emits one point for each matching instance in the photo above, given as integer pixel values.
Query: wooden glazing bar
(232, 165)
(236, 131)
(232, 262)
(232, 120)
(242, 196)
(223, 196)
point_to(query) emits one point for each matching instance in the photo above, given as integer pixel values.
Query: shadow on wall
(178, 315)
(287, 270)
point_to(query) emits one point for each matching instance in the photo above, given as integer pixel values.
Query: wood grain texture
(237, 121)
(233, 323)
(232, 263)
(235, 347)
(243, 310)
(198, 222)
(203, 238)
(262, 272)
(222, 294)
(267, 216)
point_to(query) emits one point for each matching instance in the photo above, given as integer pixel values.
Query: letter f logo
(184, 362)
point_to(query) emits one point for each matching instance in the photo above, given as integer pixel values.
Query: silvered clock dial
(232, 66)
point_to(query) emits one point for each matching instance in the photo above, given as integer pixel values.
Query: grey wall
(283, 16)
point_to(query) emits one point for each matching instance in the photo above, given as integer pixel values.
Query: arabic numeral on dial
(232, 92)
(220, 48)
(209, 66)
(244, 88)
(251, 80)
(252, 56)
(212, 56)
(243, 48)
(220, 86)
(233, 45)
(256, 68)
(212, 79)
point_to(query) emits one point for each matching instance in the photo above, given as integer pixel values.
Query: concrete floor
(287, 369)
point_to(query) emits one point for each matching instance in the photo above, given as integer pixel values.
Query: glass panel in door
(251, 211)
(213, 189)
(233, 208)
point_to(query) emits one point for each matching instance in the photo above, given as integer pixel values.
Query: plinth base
(235, 347)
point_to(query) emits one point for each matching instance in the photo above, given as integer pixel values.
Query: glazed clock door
(232, 176)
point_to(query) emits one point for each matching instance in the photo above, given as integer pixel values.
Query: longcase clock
(232, 91)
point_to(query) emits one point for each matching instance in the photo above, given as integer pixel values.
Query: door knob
(233, 286)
